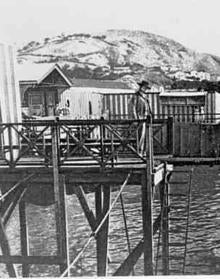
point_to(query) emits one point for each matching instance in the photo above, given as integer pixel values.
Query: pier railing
(100, 142)
(104, 143)
(180, 117)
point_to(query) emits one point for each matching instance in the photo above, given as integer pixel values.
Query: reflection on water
(203, 245)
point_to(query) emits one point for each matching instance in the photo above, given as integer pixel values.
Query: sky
(194, 23)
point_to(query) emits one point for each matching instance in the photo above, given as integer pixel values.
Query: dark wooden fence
(196, 140)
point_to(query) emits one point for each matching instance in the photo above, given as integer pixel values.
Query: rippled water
(203, 245)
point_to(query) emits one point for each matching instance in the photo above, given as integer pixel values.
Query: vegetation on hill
(115, 53)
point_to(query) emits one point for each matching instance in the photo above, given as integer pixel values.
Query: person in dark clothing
(140, 110)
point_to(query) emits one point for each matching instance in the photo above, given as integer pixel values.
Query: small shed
(183, 105)
(41, 86)
(83, 100)
(190, 105)
(89, 98)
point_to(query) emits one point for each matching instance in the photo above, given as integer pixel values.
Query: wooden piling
(102, 203)
(60, 204)
(24, 237)
(165, 225)
(6, 250)
(147, 220)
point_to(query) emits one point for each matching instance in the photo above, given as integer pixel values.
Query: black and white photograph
(109, 138)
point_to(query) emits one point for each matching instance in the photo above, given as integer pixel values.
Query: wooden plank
(194, 139)
(184, 139)
(28, 260)
(102, 200)
(60, 206)
(84, 204)
(7, 212)
(177, 138)
(147, 220)
(98, 207)
(24, 237)
(196, 161)
(6, 251)
(165, 225)
(104, 231)
(170, 135)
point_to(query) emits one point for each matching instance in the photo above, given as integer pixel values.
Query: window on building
(25, 100)
(36, 99)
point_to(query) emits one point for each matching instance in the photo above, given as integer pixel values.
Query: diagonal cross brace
(127, 266)
(81, 145)
(124, 142)
(32, 144)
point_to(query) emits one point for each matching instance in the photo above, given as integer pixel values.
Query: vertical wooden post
(170, 135)
(102, 143)
(60, 208)
(149, 138)
(24, 237)
(147, 220)
(6, 250)
(165, 225)
(10, 145)
(102, 200)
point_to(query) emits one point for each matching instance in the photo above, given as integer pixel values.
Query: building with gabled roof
(41, 86)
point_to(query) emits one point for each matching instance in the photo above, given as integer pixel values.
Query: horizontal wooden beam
(47, 260)
(193, 160)
(75, 178)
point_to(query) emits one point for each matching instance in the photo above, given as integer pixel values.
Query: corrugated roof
(183, 94)
(93, 83)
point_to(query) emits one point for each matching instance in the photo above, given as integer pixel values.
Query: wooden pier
(42, 162)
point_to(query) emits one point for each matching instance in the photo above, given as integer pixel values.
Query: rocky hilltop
(116, 53)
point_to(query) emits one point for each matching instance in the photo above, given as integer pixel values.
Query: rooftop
(93, 83)
(36, 73)
(183, 93)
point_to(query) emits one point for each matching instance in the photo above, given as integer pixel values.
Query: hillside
(117, 53)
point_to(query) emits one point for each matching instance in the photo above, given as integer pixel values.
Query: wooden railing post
(102, 143)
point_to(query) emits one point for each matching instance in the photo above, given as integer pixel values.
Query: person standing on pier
(140, 110)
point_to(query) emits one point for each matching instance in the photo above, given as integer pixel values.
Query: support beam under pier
(102, 203)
